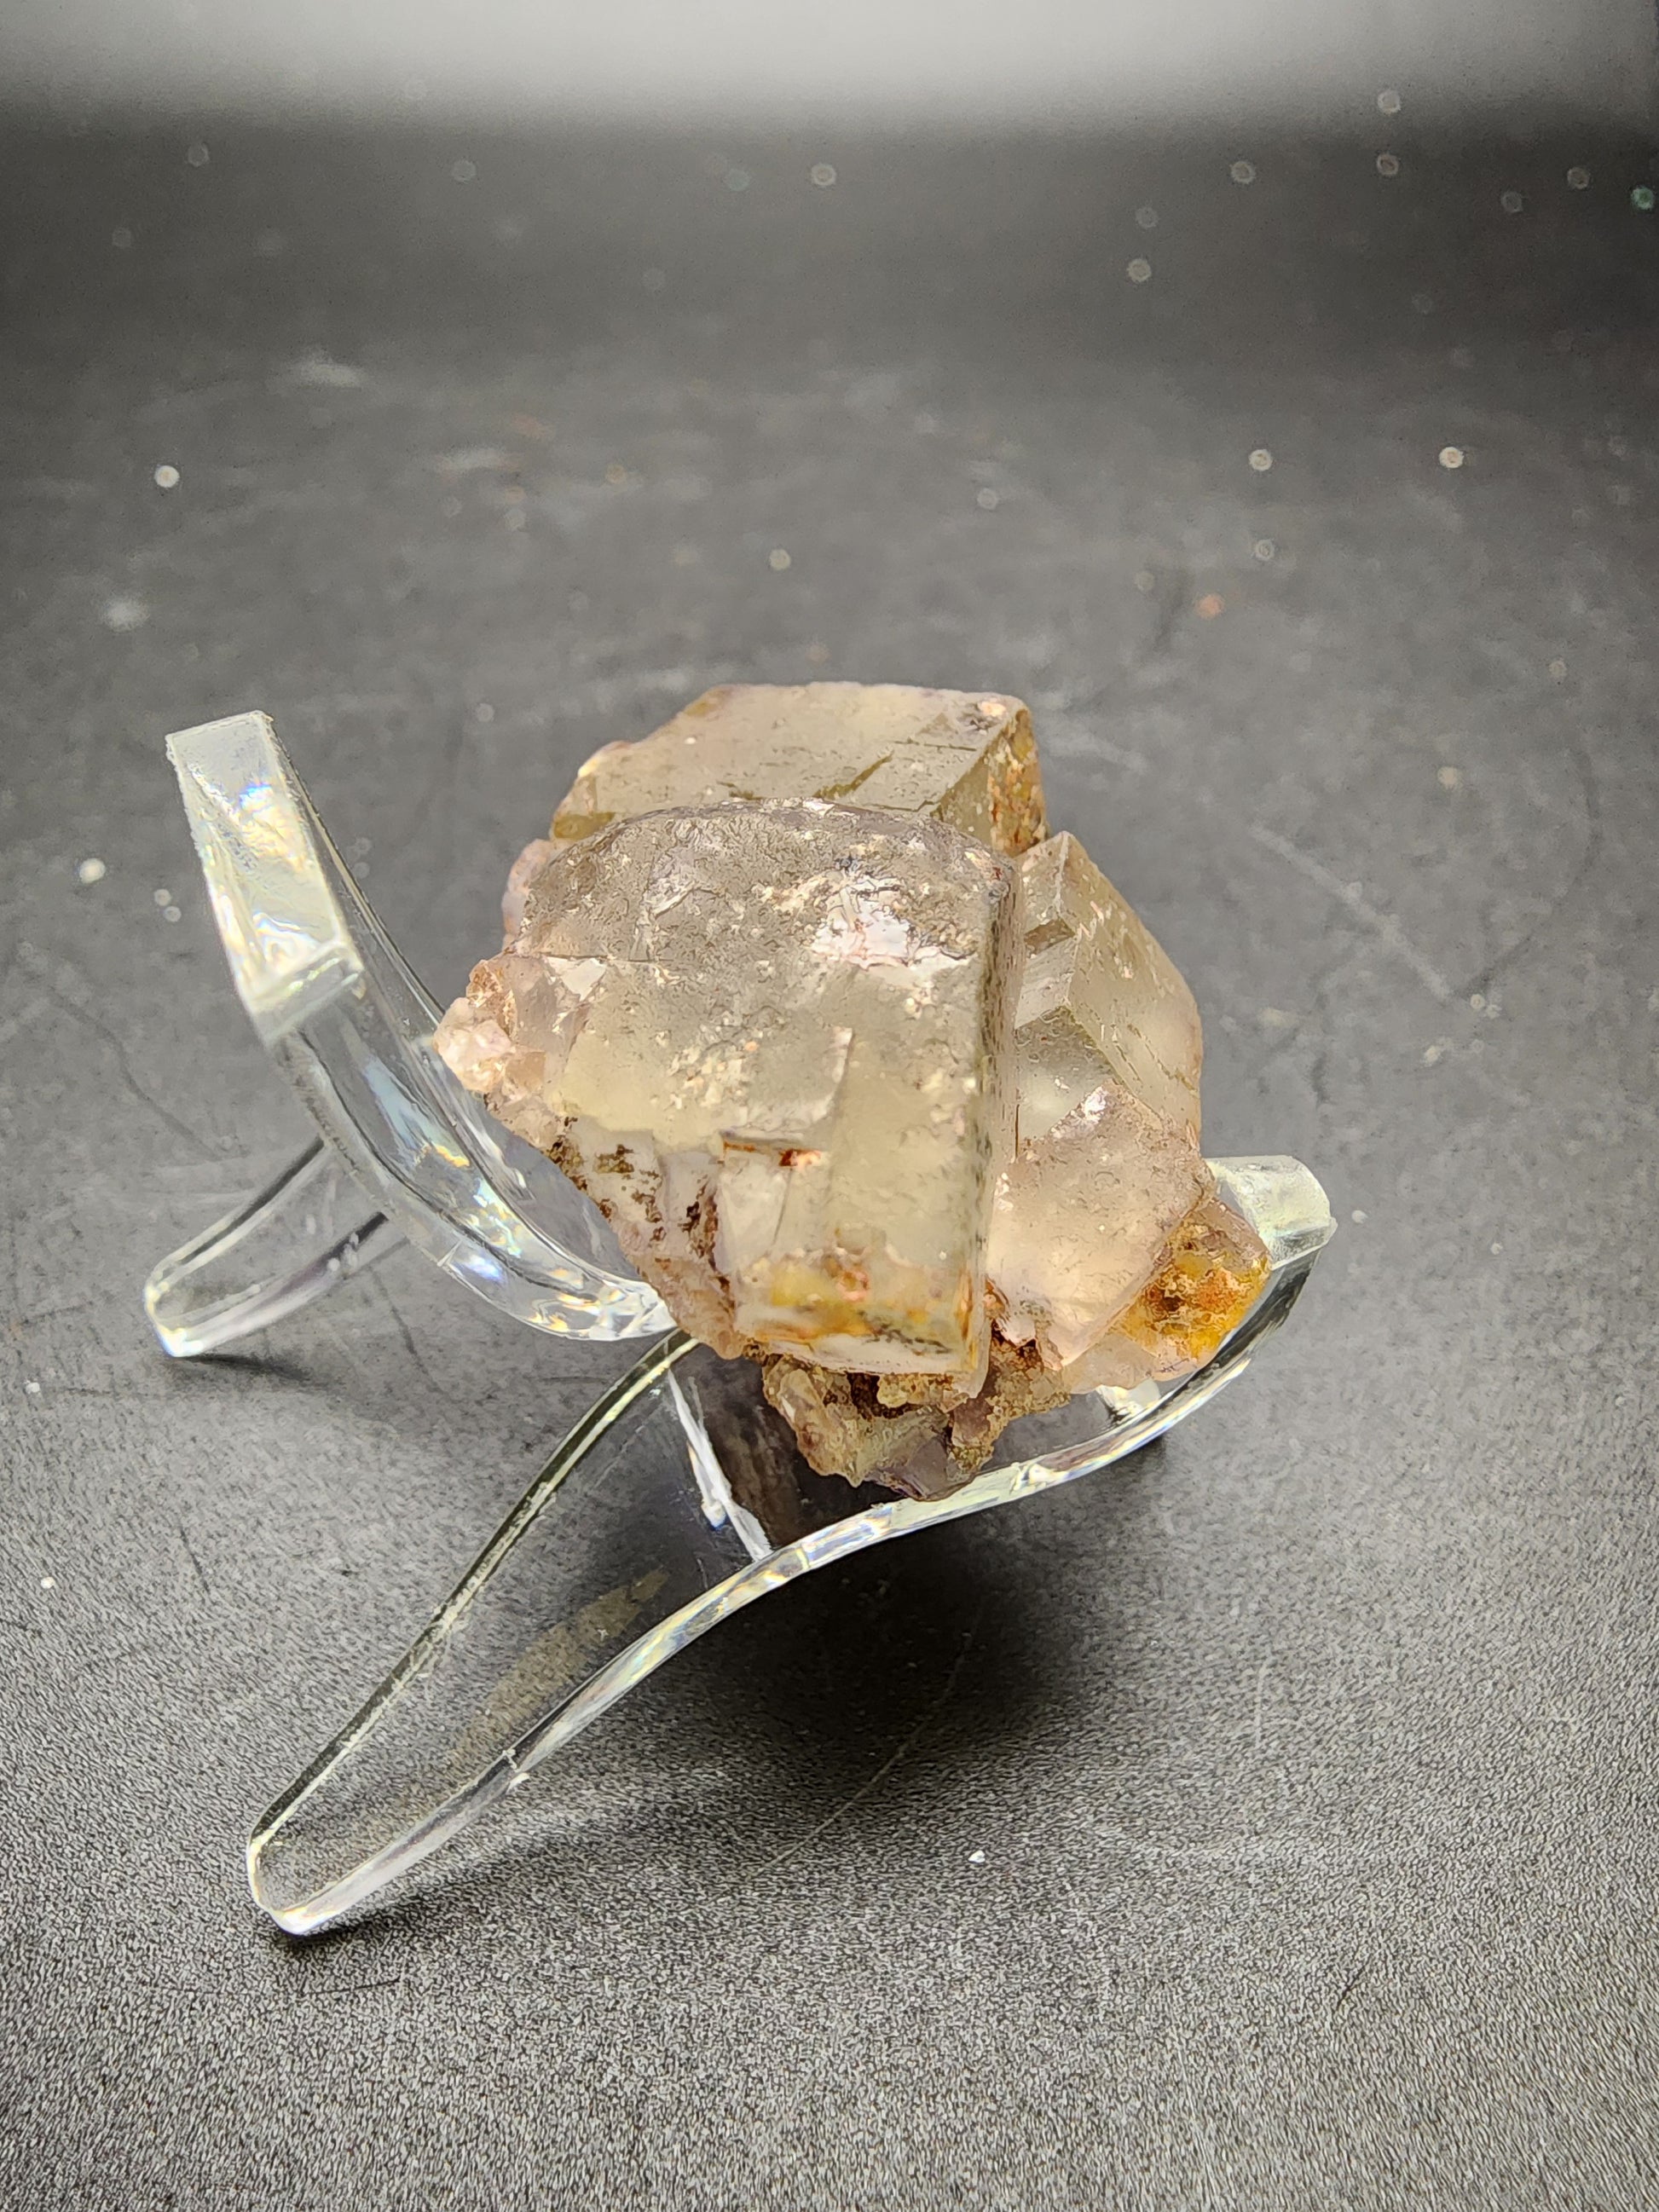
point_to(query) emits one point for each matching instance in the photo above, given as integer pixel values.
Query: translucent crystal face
(964, 758)
(1099, 997)
(1082, 1217)
(1205, 1282)
(771, 1042)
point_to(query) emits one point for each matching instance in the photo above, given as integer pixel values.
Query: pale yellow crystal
(964, 757)
(770, 1041)
(1099, 997)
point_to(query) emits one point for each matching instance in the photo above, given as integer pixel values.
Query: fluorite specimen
(879, 1083)
(772, 1042)
(965, 759)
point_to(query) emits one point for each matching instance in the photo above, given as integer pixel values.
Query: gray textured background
(1312, 1754)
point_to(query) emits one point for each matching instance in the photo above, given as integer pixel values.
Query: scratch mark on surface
(1383, 924)
(403, 1328)
(893, 1759)
(190, 1553)
(102, 1029)
(1348, 1988)
(1203, 2138)
(359, 1989)
(52, 1313)
(1592, 852)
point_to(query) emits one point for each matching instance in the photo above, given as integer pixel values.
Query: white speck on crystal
(91, 871)
(166, 477)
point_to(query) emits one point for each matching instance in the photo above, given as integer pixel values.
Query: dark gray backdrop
(1311, 1755)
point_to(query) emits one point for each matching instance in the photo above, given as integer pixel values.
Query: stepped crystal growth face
(878, 1083)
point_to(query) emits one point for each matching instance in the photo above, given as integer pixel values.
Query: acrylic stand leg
(676, 1500)
(304, 1232)
(338, 1010)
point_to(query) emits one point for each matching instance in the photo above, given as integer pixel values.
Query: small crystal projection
(1099, 997)
(879, 1083)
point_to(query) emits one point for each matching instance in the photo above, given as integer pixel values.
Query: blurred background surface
(921, 62)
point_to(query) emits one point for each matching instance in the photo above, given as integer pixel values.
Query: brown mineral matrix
(854, 1426)
(772, 1043)
(966, 759)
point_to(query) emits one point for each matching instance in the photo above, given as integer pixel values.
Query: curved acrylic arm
(339, 1012)
(307, 1231)
(679, 1498)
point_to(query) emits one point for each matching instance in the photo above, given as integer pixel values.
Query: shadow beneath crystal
(844, 1719)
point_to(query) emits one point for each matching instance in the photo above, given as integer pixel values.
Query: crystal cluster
(878, 1082)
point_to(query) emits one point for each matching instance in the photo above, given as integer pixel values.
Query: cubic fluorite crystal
(878, 1082)
(966, 759)
(772, 1042)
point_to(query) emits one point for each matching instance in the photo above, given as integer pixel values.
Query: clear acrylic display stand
(677, 1498)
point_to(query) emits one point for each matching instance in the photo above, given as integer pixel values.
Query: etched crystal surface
(771, 1042)
(964, 757)
(1099, 997)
